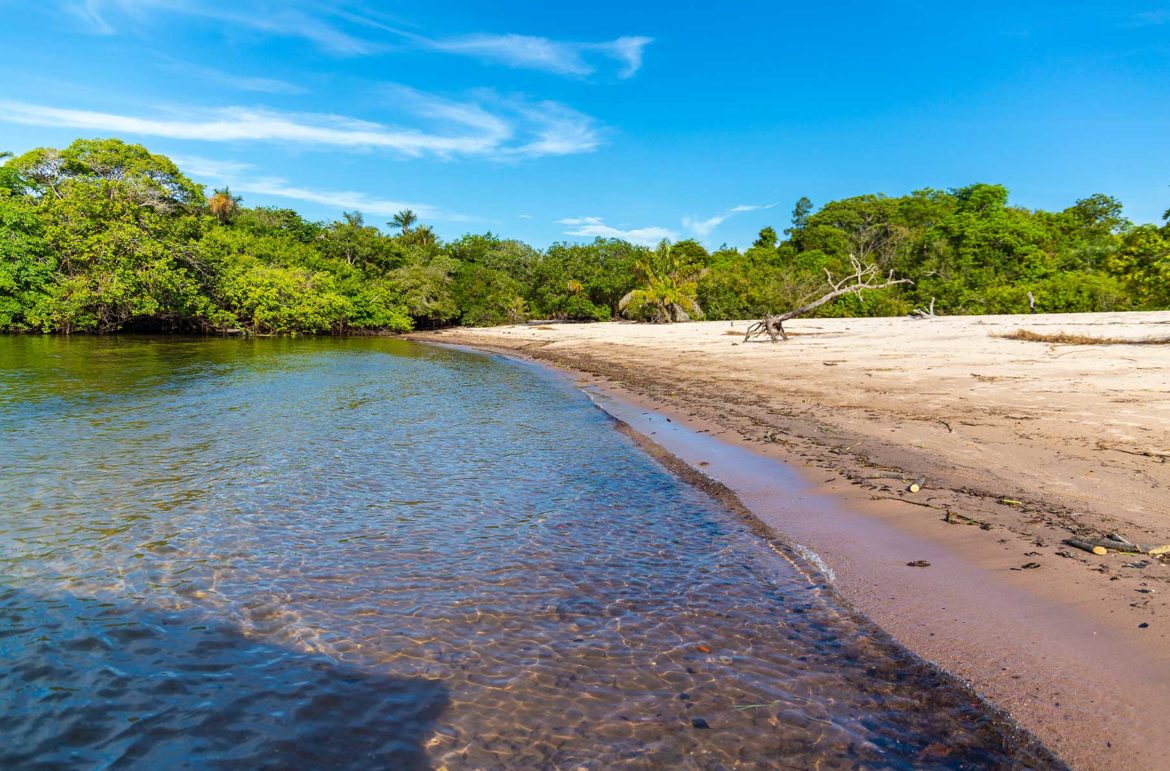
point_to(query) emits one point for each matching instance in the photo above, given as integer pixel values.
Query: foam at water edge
(811, 556)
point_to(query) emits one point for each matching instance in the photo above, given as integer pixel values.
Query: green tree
(268, 299)
(690, 252)
(104, 235)
(266, 220)
(27, 268)
(605, 270)
(9, 179)
(425, 289)
(800, 213)
(422, 237)
(668, 291)
(1142, 264)
(488, 297)
(767, 239)
(148, 180)
(1100, 214)
(121, 223)
(357, 244)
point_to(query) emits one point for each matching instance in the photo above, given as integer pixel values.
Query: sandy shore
(1031, 442)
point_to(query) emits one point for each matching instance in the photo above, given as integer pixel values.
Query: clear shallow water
(356, 553)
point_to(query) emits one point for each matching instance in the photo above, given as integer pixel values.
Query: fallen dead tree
(924, 313)
(861, 279)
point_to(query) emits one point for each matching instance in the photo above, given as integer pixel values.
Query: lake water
(370, 553)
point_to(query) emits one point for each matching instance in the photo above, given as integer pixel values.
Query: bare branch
(856, 282)
(919, 313)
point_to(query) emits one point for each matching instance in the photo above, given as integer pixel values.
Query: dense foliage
(104, 236)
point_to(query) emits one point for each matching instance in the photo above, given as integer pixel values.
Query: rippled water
(368, 553)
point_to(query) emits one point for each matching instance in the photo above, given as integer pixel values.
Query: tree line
(105, 236)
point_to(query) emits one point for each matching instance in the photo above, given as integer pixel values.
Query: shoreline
(1034, 642)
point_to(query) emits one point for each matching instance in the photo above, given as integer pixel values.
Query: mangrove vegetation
(105, 236)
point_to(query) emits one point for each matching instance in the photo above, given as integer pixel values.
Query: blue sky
(559, 121)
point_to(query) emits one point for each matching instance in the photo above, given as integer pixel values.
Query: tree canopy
(104, 236)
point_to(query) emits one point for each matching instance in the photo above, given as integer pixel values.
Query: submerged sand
(1024, 443)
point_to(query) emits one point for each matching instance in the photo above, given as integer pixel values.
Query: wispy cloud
(595, 227)
(211, 169)
(233, 124)
(320, 26)
(298, 24)
(541, 53)
(556, 130)
(499, 128)
(242, 179)
(703, 228)
(1155, 18)
(233, 80)
(562, 57)
(344, 200)
(89, 15)
(293, 20)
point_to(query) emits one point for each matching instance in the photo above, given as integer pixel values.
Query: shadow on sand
(93, 684)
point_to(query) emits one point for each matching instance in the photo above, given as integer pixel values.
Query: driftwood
(1161, 457)
(924, 313)
(859, 280)
(1102, 545)
(1088, 546)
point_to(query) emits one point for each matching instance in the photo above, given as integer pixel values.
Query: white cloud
(649, 236)
(88, 13)
(512, 129)
(254, 124)
(235, 174)
(556, 129)
(346, 200)
(211, 169)
(260, 85)
(293, 23)
(518, 51)
(1154, 18)
(703, 228)
(101, 17)
(234, 80)
(629, 51)
(595, 227)
(312, 23)
(541, 53)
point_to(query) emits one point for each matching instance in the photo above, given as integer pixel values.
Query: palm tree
(404, 219)
(422, 236)
(669, 292)
(224, 205)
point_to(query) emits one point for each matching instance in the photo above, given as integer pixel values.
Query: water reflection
(442, 524)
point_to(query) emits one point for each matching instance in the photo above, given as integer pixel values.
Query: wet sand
(1033, 441)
